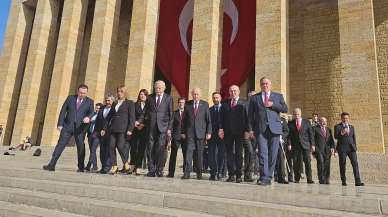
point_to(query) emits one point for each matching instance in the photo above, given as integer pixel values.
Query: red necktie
(233, 103)
(78, 102)
(266, 98)
(298, 124)
(195, 108)
(323, 131)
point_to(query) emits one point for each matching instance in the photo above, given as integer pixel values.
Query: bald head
(323, 121)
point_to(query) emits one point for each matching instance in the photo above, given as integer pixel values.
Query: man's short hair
(181, 98)
(216, 92)
(315, 114)
(83, 86)
(264, 78)
(345, 114)
(99, 104)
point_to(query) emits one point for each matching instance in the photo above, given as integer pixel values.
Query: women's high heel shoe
(113, 170)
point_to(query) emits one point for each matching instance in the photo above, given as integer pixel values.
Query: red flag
(174, 42)
(238, 46)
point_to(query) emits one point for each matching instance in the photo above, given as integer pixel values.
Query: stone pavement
(27, 190)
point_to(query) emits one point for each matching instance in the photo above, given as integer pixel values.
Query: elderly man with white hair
(160, 118)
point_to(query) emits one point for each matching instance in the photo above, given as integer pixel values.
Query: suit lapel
(260, 97)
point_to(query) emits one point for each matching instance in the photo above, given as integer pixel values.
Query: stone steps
(218, 198)
(19, 210)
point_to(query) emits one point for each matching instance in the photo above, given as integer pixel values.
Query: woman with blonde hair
(120, 127)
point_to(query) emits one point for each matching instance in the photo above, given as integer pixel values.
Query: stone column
(66, 60)
(12, 64)
(360, 85)
(271, 44)
(142, 46)
(105, 28)
(39, 52)
(205, 69)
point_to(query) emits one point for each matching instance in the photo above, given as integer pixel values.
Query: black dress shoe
(296, 181)
(104, 171)
(199, 176)
(263, 183)
(231, 179)
(159, 174)
(149, 174)
(48, 168)
(186, 176)
(212, 178)
(283, 182)
(238, 180)
(360, 184)
(344, 184)
(80, 170)
(170, 175)
(248, 179)
(310, 182)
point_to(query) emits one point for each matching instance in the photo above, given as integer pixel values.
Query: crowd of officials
(235, 138)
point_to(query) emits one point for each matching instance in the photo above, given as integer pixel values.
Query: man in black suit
(73, 120)
(102, 135)
(160, 115)
(235, 129)
(301, 143)
(264, 110)
(347, 147)
(196, 129)
(177, 140)
(216, 144)
(93, 141)
(324, 142)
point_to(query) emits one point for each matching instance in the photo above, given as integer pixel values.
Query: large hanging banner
(174, 42)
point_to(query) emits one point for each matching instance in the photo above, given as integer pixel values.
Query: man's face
(120, 94)
(345, 118)
(97, 108)
(323, 122)
(159, 88)
(234, 92)
(196, 95)
(181, 104)
(315, 118)
(297, 114)
(108, 102)
(216, 99)
(265, 85)
(82, 92)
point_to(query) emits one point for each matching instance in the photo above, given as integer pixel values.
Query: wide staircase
(27, 190)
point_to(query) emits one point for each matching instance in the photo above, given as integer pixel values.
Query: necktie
(265, 97)
(158, 101)
(323, 130)
(181, 116)
(78, 102)
(298, 124)
(195, 108)
(233, 103)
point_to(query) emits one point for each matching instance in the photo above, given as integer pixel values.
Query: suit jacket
(196, 125)
(70, 117)
(215, 119)
(101, 122)
(123, 119)
(140, 114)
(234, 121)
(177, 125)
(323, 142)
(261, 117)
(345, 142)
(160, 117)
(301, 138)
(286, 131)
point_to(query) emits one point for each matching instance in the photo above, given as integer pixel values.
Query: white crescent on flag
(187, 14)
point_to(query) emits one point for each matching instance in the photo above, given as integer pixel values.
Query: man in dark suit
(324, 149)
(216, 144)
(177, 141)
(347, 147)
(235, 129)
(281, 163)
(103, 136)
(264, 110)
(73, 120)
(301, 143)
(196, 129)
(93, 141)
(160, 115)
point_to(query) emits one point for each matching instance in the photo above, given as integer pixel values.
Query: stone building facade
(325, 56)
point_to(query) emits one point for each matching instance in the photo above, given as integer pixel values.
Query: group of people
(243, 131)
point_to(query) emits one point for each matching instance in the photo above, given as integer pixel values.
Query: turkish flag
(174, 42)
(238, 45)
